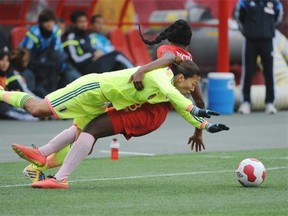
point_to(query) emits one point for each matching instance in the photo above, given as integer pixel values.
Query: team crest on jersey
(62, 109)
(151, 96)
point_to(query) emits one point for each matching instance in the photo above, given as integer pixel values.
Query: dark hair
(3, 53)
(95, 17)
(17, 57)
(60, 20)
(179, 33)
(45, 16)
(77, 14)
(187, 68)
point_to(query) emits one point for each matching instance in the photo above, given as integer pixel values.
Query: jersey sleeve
(74, 50)
(57, 40)
(181, 104)
(30, 41)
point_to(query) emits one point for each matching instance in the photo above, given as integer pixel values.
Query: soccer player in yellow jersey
(85, 99)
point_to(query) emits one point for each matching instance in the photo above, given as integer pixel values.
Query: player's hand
(203, 112)
(137, 79)
(196, 141)
(214, 128)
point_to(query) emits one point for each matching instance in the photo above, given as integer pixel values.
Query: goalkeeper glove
(203, 113)
(214, 128)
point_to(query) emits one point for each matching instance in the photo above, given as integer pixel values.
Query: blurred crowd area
(39, 56)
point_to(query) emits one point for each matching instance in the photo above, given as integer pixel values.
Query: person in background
(19, 60)
(4, 45)
(7, 111)
(100, 42)
(85, 57)
(4, 66)
(62, 25)
(48, 60)
(257, 21)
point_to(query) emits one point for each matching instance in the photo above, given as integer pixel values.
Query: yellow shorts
(81, 100)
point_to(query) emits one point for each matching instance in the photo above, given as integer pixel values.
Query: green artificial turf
(183, 184)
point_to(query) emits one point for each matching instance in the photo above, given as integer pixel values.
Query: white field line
(227, 157)
(129, 153)
(144, 176)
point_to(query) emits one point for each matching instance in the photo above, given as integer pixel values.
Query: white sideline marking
(227, 157)
(144, 176)
(129, 153)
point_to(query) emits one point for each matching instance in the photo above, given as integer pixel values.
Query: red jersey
(141, 119)
(179, 52)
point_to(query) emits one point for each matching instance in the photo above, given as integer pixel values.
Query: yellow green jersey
(86, 97)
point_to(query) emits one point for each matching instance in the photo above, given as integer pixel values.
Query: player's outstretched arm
(138, 76)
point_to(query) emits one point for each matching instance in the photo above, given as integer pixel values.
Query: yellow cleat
(33, 174)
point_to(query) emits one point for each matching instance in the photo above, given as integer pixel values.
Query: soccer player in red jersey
(179, 35)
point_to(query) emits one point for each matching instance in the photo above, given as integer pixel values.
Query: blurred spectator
(62, 25)
(85, 57)
(4, 45)
(4, 65)
(7, 111)
(257, 21)
(48, 61)
(19, 60)
(100, 42)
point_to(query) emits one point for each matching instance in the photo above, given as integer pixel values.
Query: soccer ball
(250, 172)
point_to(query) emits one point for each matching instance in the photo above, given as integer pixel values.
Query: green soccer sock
(42, 169)
(14, 98)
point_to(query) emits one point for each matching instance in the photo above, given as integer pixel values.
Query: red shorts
(138, 120)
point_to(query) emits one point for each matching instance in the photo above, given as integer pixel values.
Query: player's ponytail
(187, 68)
(179, 33)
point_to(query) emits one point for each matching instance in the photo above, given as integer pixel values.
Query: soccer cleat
(245, 108)
(270, 109)
(51, 183)
(33, 174)
(30, 154)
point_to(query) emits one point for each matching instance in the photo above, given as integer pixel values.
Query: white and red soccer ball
(250, 172)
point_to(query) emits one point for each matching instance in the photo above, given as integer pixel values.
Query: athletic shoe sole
(20, 153)
(48, 184)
